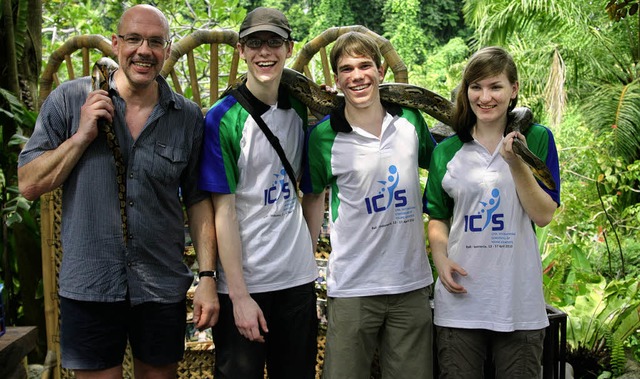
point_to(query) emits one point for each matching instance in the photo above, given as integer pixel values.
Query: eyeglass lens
(137, 40)
(256, 43)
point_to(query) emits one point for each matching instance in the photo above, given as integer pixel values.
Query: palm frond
(615, 108)
(495, 21)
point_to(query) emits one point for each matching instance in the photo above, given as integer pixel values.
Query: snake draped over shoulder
(321, 102)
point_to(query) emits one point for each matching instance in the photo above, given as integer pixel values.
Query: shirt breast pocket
(168, 162)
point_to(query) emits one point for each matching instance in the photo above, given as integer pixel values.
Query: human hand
(206, 307)
(97, 106)
(249, 318)
(506, 149)
(446, 270)
(328, 89)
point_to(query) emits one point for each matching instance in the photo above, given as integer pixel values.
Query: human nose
(145, 45)
(264, 48)
(357, 74)
(485, 95)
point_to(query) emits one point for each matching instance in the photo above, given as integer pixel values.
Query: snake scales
(100, 80)
(321, 102)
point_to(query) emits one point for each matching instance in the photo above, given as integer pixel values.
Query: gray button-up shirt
(161, 170)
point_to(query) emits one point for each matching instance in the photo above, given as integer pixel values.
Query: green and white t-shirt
(377, 233)
(491, 236)
(237, 158)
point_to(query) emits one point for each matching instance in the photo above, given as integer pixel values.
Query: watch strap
(213, 274)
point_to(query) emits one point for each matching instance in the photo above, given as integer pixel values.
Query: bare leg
(110, 373)
(145, 371)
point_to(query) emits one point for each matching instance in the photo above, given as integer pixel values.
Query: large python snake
(321, 102)
(102, 69)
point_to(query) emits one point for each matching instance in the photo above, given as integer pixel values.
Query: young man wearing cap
(267, 267)
(368, 154)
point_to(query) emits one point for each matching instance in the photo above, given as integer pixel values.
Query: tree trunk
(10, 76)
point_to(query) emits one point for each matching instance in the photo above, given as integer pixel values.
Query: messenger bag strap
(267, 132)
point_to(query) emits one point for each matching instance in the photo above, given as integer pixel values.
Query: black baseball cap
(265, 20)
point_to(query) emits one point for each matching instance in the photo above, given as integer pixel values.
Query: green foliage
(186, 17)
(633, 344)
(370, 14)
(326, 16)
(20, 25)
(298, 13)
(615, 111)
(582, 261)
(402, 29)
(443, 20)
(617, 357)
(604, 307)
(443, 68)
(619, 182)
(13, 206)
(61, 21)
(497, 20)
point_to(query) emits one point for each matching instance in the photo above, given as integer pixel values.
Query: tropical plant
(14, 208)
(604, 317)
(617, 90)
(403, 30)
(581, 254)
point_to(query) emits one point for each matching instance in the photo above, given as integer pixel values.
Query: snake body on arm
(102, 69)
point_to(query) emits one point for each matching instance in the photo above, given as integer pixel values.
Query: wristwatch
(213, 274)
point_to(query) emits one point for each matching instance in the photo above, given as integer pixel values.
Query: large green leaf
(614, 109)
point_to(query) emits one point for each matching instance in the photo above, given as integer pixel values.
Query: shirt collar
(167, 96)
(339, 122)
(260, 107)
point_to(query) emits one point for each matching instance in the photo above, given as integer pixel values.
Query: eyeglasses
(256, 43)
(136, 40)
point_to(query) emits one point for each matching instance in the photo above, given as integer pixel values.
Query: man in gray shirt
(116, 287)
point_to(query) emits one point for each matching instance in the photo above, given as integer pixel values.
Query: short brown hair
(355, 44)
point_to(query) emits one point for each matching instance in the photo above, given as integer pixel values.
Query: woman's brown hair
(485, 63)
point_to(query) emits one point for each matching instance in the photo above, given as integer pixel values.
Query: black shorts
(93, 336)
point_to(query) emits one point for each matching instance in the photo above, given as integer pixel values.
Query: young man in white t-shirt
(267, 273)
(379, 277)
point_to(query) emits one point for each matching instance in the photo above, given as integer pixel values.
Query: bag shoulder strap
(275, 142)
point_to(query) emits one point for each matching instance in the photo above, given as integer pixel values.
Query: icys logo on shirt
(280, 189)
(486, 216)
(388, 195)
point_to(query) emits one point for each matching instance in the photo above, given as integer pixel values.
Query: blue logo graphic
(388, 191)
(487, 213)
(279, 188)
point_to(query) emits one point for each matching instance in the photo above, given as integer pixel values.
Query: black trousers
(290, 347)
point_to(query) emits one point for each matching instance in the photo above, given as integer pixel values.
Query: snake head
(102, 69)
(519, 120)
